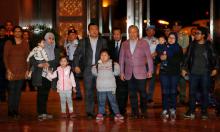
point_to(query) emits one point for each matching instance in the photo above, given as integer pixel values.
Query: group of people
(113, 69)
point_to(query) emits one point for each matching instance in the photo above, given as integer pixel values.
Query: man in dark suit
(86, 55)
(122, 89)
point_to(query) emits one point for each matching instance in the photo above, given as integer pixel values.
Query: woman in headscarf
(170, 56)
(43, 84)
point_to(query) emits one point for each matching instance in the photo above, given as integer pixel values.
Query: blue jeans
(112, 100)
(169, 85)
(202, 82)
(66, 97)
(135, 85)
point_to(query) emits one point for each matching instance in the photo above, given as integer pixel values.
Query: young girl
(106, 70)
(65, 84)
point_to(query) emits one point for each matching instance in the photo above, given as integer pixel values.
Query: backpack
(113, 68)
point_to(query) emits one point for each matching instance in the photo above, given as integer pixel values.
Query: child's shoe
(99, 117)
(119, 117)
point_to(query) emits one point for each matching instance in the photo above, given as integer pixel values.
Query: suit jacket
(111, 46)
(135, 63)
(84, 53)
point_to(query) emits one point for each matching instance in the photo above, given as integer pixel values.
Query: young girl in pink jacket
(65, 85)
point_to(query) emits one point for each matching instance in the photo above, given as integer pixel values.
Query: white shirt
(133, 44)
(93, 42)
(152, 42)
(70, 48)
(119, 44)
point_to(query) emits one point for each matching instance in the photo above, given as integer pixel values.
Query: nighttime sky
(186, 11)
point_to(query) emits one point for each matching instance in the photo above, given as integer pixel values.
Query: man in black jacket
(122, 89)
(200, 63)
(86, 55)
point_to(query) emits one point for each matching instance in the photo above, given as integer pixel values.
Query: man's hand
(122, 77)
(184, 73)
(77, 70)
(214, 72)
(149, 74)
(154, 54)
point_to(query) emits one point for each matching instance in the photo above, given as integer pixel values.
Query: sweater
(15, 58)
(66, 80)
(105, 76)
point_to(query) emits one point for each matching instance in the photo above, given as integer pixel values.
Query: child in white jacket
(65, 84)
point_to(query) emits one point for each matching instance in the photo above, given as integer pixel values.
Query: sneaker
(42, 117)
(189, 115)
(99, 117)
(45, 116)
(164, 115)
(172, 114)
(118, 117)
(204, 115)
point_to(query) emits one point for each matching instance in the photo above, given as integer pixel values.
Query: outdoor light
(163, 22)
(106, 3)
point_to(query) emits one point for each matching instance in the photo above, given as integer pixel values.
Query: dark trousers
(3, 89)
(134, 86)
(42, 96)
(169, 85)
(77, 79)
(89, 83)
(78, 91)
(204, 82)
(152, 84)
(182, 89)
(29, 84)
(122, 94)
(14, 95)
